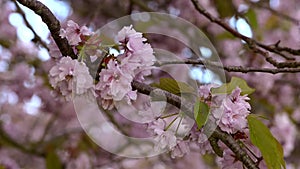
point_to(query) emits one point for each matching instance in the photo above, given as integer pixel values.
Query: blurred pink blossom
(285, 132)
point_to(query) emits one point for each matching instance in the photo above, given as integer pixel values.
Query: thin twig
(241, 69)
(53, 25)
(37, 38)
(253, 44)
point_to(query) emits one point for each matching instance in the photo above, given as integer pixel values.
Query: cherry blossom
(115, 83)
(115, 80)
(204, 90)
(62, 75)
(182, 148)
(23, 74)
(165, 139)
(83, 79)
(235, 109)
(229, 161)
(74, 33)
(138, 54)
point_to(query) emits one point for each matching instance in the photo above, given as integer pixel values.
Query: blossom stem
(53, 25)
(170, 124)
(168, 115)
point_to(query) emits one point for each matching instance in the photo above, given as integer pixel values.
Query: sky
(60, 9)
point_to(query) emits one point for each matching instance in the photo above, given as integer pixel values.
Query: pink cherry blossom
(229, 161)
(114, 82)
(204, 90)
(62, 75)
(127, 33)
(156, 126)
(201, 140)
(135, 63)
(235, 109)
(74, 33)
(164, 139)
(81, 162)
(137, 52)
(180, 149)
(83, 79)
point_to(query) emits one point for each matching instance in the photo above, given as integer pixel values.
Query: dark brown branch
(241, 69)
(53, 25)
(286, 49)
(235, 148)
(186, 107)
(253, 44)
(161, 94)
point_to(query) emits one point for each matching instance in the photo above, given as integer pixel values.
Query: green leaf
(252, 19)
(201, 112)
(53, 161)
(269, 147)
(227, 88)
(173, 86)
(225, 8)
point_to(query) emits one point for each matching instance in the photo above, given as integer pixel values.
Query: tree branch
(53, 25)
(235, 148)
(253, 44)
(241, 69)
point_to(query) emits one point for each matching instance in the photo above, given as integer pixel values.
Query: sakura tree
(151, 84)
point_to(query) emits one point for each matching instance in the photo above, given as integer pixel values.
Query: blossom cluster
(115, 79)
(114, 84)
(64, 74)
(230, 111)
(235, 110)
(135, 63)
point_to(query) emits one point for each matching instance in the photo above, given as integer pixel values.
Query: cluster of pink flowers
(115, 79)
(135, 63)
(230, 111)
(65, 73)
(235, 110)
(166, 138)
